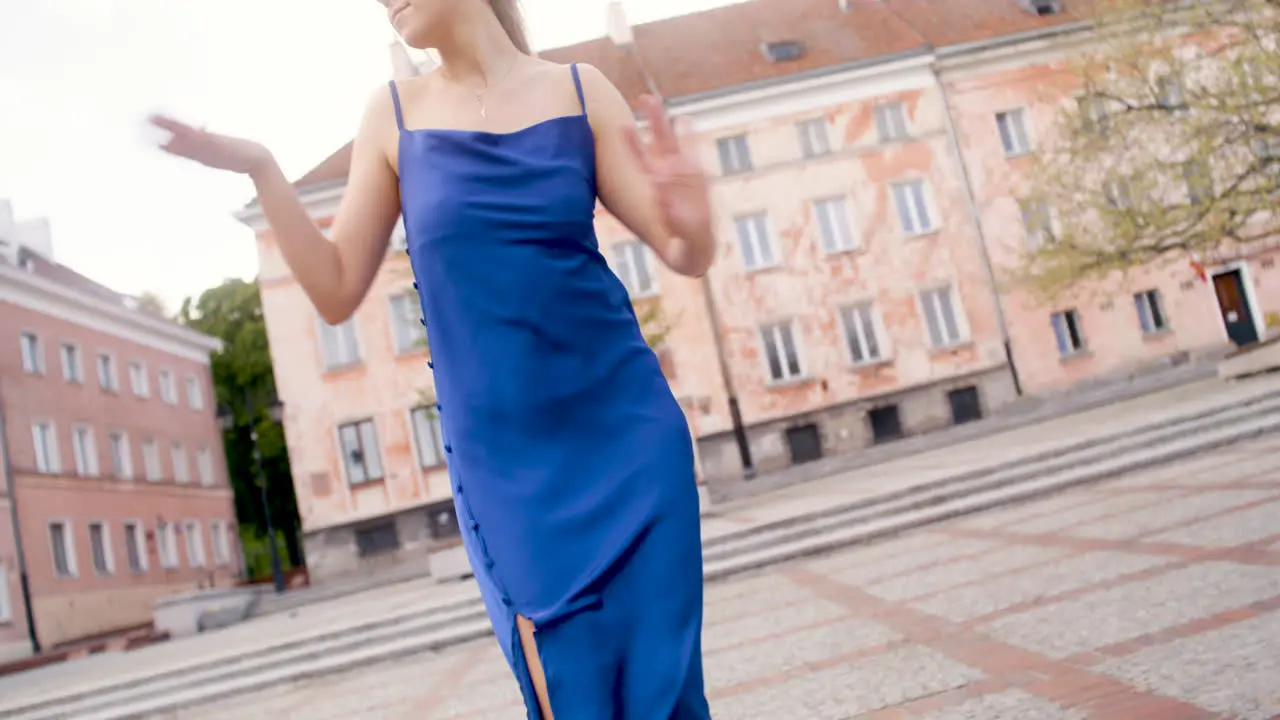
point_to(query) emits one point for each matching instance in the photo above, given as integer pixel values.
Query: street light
(275, 411)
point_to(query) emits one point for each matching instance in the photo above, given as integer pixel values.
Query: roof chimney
(619, 29)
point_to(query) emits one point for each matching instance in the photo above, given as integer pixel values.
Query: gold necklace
(480, 93)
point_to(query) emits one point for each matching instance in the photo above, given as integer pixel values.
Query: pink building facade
(864, 204)
(114, 458)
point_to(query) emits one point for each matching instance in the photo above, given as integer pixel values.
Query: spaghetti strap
(577, 82)
(395, 98)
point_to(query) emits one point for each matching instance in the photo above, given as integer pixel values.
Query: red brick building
(114, 454)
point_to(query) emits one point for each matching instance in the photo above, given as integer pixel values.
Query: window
(407, 331)
(891, 121)
(195, 393)
(1199, 181)
(1151, 315)
(181, 468)
(168, 392)
(72, 370)
(338, 345)
(833, 225)
(860, 333)
(100, 548)
(942, 322)
(204, 466)
(359, 441)
(167, 545)
(814, 138)
(221, 547)
(45, 440)
(753, 240)
(151, 460)
(1070, 335)
(32, 354)
(911, 200)
(121, 457)
(1094, 115)
(138, 382)
(632, 261)
(135, 541)
(1037, 220)
(194, 535)
(1012, 125)
(780, 351)
(86, 450)
(735, 154)
(6, 609)
(427, 437)
(63, 547)
(1170, 93)
(107, 378)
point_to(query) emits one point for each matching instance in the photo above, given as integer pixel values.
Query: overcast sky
(77, 77)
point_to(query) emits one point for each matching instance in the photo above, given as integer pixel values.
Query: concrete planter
(450, 564)
(1261, 358)
(202, 610)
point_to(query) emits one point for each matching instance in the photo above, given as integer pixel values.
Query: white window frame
(153, 461)
(1039, 222)
(195, 392)
(916, 207)
(68, 534)
(754, 230)
(108, 376)
(181, 463)
(928, 307)
(51, 463)
(347, 353)
(139, 380)
(1062, 322)
(429, 452)
(168, 387)
(125, 471)
(632, 261)
(72, 362)
(407, 331)
(772, 332)
(891, 121)
(84, 445)
(735, 154)
(837, 232)
(398, 241)
(6, 604)
(1149, 305)
(221, 545)
(32, 348)
(167, 545)
(204, 467)
(857, 319)
(1014, 132)
(359, 426)
(134, 527)
(193, 536)
(814, 135)
(108, 552)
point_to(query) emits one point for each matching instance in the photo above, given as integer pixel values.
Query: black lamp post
(275, 411)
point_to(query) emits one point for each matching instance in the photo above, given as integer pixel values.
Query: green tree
(244, 383)
(1171, 152)
(152, 304)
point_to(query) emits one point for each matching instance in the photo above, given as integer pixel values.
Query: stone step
(413, 629)
(1005, 473)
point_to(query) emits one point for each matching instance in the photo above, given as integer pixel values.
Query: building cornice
(45, 297)
(320, 200)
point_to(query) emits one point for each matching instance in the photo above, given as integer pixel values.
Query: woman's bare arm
(336, 274)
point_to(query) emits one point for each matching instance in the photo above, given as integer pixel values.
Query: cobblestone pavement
(1153, 596)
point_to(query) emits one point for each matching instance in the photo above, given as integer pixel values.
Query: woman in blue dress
(571, 461)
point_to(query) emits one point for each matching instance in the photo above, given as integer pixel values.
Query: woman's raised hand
(221, 152)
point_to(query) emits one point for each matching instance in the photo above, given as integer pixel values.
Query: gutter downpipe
(971, 204)
(24, 581)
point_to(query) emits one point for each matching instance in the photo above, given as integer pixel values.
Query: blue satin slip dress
(571, 462)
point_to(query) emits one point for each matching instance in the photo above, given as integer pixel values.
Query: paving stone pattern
(1157, 595)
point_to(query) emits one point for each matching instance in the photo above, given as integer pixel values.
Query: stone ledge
(192, 613)
(1256, 359)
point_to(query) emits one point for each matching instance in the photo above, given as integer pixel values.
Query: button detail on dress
(448, 448)
(431, 365)
(423, 321)
(415, 286)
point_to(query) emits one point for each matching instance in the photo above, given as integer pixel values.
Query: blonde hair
(512, 19)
